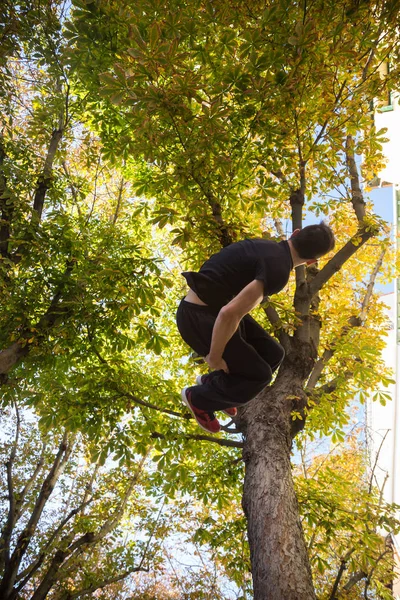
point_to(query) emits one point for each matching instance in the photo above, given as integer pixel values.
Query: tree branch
(353, 322)
(206, 438)
(371, 479)
(357, 198)
(370, 287)
(11, 518)
(11, 570)
(27, 574)
(224, 235)
(297, 202)
(167, 411)
(103, 584)
(276, 322)
(12, 355)
(29, 484)
(119, 199)
(6, 205)
(342, 568)
(279, 228)
(329, 117)
(329, 352)
(355, 578)
(44, 180)
(73, 550)
(72, 186)
(114, 519)
(336, 263)
(330, 386)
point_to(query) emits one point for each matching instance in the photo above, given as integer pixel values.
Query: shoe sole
(186, 401)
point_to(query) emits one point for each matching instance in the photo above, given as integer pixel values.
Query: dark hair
(313, 241)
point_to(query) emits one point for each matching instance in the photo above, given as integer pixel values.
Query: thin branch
(352, 322)
(11, 518)
(342, 256)
(115, 518)
(276, 322)
(342, 568)
(11, 571)
(10, 356)
(144, 556)
(376, 462)
(75, 549)
(353, 580)
(96, 177)
(332, 385)
(27, 574)
(225, 237)
(30, 482)
(373, 50)
(326, 122)
(44, 180)
(6, 205)
(279, 228)
(206, 438)
(89, 487)
(376, 562)
(119, 199)
(72, 187)
(329, 352)
(370, 287)
(103, 584)
(357, 198)
(167, 411)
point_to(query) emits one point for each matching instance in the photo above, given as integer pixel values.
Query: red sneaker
(232, 412)
(206, 420)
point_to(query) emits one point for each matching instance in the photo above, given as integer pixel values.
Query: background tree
(241, 113)
(62, 518)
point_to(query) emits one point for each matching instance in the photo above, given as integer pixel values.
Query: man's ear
(295, 232)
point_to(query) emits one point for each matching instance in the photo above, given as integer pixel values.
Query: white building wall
(385, 420)
(390, 119)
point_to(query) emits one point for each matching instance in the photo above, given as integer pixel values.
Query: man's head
(313, 241)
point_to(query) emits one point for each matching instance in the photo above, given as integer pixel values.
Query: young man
(213, 318)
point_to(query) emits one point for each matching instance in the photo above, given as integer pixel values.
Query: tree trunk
(10, 356)
(280, 566)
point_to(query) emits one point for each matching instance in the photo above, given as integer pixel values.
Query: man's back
(227, 272)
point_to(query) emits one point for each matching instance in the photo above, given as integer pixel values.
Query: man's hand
(217, 365)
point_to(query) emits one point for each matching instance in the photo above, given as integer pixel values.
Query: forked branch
(336, 263)
(353, 321)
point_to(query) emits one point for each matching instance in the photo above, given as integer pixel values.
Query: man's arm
(228, 320)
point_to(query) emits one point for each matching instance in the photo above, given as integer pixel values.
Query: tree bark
(24, 538)
(6, 206)
(11, 356)
(280, 565)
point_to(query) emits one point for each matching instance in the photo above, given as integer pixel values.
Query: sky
(384, 207)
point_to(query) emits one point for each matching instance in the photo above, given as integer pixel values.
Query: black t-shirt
(226, 273)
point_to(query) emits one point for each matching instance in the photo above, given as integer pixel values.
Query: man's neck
(297, 261)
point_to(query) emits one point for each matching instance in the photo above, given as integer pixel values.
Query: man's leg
(249, 372)
(267, 346)
(195, 324)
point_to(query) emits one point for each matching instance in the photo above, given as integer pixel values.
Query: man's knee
(279, 356)
(266, 375)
